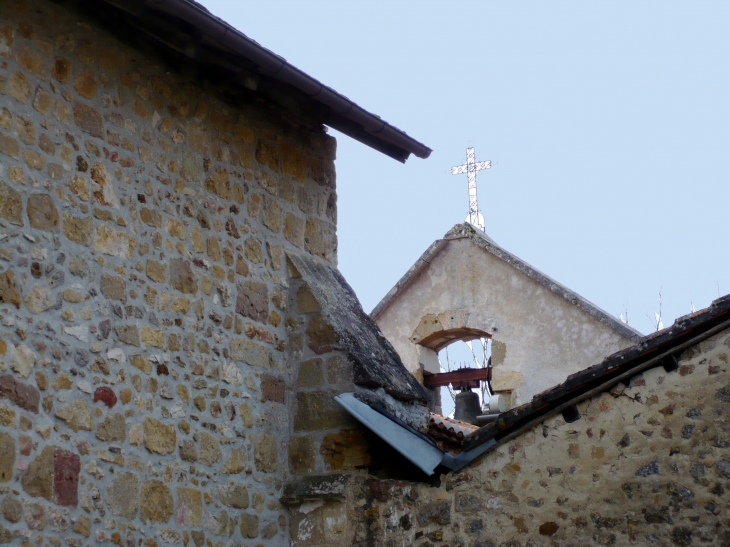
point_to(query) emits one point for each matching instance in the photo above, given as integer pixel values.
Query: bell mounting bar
(462, 378)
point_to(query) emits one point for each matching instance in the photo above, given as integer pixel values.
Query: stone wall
(337, 348)
(322, 432)
(327, 446)
(647, 464)
(144, 380)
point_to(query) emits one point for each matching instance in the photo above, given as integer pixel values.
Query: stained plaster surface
(542, 336)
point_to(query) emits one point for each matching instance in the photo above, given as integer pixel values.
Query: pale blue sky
(607, 126)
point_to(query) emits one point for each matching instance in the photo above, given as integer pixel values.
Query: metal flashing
(426, 456)
(420, 451)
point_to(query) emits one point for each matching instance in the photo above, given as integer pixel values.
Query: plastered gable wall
(539, 338)
(143, 293)
(647, 464)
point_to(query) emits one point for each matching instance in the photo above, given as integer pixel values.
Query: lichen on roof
(375, 362)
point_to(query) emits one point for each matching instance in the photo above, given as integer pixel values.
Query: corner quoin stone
(322, 336)
(317, 410)
(273, 388)
(302, 456)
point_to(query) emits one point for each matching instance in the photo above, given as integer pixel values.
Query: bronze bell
(467, 407)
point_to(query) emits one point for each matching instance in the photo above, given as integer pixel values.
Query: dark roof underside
(186, 31)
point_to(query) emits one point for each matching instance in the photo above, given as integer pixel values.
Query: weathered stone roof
(375, 362)
(483, 241)
(188, 32)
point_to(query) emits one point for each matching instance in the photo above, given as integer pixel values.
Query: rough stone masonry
(647, 464)
(143, 292)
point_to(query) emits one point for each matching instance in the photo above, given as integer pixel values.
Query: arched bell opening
(444, 338)
(463, 349)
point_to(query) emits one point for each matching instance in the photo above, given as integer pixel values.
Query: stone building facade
(173, 329)
(149, 354)
(641, 459)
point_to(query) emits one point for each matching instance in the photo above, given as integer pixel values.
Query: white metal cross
(470, 168)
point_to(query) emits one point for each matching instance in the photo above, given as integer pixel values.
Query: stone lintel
(320, 487)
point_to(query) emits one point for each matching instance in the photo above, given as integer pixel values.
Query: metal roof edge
(421, 451)
(424, 455)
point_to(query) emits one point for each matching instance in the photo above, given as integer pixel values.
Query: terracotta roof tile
(448, 429)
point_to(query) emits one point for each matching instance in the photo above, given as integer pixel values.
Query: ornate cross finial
(470, 168)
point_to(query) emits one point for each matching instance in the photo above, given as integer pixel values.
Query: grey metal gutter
(278, 68)
(420, 451)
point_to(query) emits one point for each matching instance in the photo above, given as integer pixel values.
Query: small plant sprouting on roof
(657, 323)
